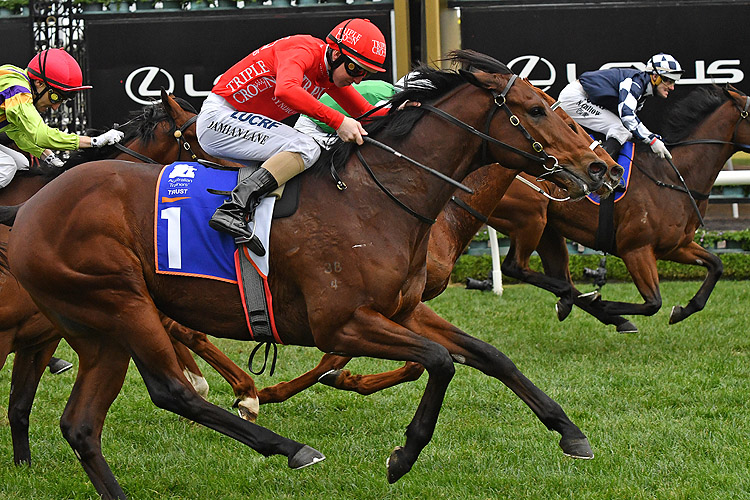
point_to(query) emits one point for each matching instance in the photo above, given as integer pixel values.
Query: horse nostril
(618, 172)
(597, 170)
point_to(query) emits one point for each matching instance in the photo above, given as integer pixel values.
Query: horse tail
(8, 214)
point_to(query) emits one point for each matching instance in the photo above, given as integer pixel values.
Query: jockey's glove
(107, 138)
(53, 160)
(658, 147)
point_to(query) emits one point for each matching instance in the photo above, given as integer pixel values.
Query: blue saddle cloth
(626, 161)
(185, 244)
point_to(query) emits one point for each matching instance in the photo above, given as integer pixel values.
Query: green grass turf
(666, 411)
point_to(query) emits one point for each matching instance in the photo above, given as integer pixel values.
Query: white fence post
(497, 276)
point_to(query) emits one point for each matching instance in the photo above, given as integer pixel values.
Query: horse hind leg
(28, 366)
(101, 372)
(154, 357)
(695, 254)
(473, 352)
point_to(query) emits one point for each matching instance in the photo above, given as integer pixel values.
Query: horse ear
(475, 78)
(170, 106)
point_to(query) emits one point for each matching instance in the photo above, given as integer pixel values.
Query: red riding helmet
(361, 41)
(58, 69)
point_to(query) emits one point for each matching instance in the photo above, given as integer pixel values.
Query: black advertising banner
(553, 44)
(131, 57)
(15, 33)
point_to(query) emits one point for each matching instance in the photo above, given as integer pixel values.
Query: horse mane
(141, 125)
(431, 84)
(690, 111)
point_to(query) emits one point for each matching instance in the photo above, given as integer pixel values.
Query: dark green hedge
(736, 267)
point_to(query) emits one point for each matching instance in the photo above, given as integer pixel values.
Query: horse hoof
(589, 297)
(329, 378)
(247, 408)
(397, 465)
(627, 327)
(304, 457)
(677, 315)
(577, 448)
(562, 310)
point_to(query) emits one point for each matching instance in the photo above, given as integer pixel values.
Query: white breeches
(242, 136)
(574, 101)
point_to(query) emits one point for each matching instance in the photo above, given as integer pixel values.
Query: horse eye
(537, 111)
(572, 127)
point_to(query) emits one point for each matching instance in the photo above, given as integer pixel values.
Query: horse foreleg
(190, 368)
(329, 372)
(370, 384)
(696, 255)
(554, 255)
(370, 334)
(641, 264)
(246, 396)
(470, 351)
(28, 366)
(329, 364)
(516, 265)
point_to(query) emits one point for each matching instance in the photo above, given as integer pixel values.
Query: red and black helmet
(361, 41)
(58, 69)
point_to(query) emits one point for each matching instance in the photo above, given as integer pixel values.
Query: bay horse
(93, 275)
(653, 221)
(455, 227)
(163, 133)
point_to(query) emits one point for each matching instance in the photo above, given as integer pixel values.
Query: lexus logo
(147, 87)
(544, 77)
(146, 82)
(541, 73)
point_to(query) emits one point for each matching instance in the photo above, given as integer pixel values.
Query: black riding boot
(612, 146)
(230, 217)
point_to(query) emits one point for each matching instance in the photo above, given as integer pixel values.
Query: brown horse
(454, 229)
(93, 275)
(163, 133)
(654, 221)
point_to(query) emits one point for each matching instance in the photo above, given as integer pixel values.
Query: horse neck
(700, 164)
(457, 225)
(162, 151)
(442, 146)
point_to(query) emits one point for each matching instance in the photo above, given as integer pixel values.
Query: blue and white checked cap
(664, 64)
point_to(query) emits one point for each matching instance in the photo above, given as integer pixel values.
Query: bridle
(179, 136)
(500, 102)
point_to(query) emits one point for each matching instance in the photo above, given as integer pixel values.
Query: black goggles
(57, 96)
(355, 70)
